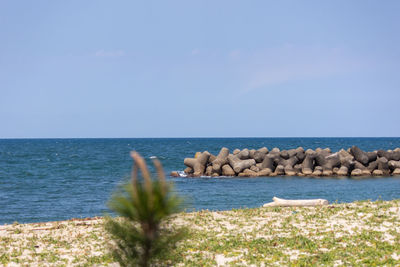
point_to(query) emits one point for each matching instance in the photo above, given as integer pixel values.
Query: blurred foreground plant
(141, 235)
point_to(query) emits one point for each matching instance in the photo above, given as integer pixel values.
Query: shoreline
(191, 210)
(273, 236)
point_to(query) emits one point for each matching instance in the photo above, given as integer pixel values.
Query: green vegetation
(139, 235)
(362, 233)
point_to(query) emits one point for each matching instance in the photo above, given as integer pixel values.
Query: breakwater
(294, 162)
(74, 178)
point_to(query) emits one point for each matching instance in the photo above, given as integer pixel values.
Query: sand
(363, 233)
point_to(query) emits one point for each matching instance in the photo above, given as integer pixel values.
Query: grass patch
(354, 234)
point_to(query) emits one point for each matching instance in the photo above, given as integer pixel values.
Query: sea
(59, 179)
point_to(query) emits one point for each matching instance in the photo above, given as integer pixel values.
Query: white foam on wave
(182, 174)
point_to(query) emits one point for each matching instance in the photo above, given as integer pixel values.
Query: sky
(88, 69)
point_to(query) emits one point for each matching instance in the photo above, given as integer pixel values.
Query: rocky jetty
(293, 162)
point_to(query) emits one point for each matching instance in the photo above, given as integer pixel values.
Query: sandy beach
(358, 233)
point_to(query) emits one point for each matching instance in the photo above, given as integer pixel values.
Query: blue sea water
(57, 179)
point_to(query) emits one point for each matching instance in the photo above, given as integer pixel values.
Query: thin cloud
(234, 54)
(195, 51)
(292, 63)
(110, 53)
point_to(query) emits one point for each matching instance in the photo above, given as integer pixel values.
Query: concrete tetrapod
(238, 165)
(221, 159)
(198, 164)
(318, 162)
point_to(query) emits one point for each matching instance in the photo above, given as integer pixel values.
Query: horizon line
(200, 137)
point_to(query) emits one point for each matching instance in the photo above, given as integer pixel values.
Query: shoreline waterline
(362, 232)
(189, 211)
(75, 177)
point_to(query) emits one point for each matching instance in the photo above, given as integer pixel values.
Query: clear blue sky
(199, 68)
